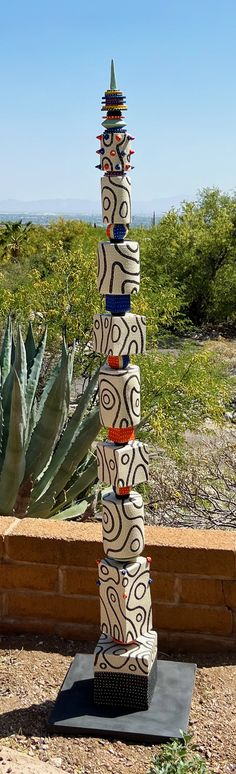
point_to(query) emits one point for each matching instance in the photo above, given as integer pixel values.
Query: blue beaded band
(118, 304)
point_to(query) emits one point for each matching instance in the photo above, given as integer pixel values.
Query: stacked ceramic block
(125, 656)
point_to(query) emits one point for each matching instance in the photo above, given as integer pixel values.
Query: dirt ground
(32, 669)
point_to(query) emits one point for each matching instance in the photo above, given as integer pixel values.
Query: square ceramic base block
(122, 690)
(121, 466)
(135, 659)
(75, 712)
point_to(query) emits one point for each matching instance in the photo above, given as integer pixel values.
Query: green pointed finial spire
(113, 85)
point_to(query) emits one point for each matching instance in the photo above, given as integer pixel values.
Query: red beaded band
(123, 490)
(113, 361)
(121, 434)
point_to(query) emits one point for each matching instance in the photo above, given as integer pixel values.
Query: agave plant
(46, 464)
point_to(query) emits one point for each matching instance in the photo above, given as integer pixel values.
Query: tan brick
(5, 523)
(71, 631)
(185, 642)
(77, 580)
(191, 551)
(53, 542)
(192, 618)
(29, 576)
(163, 587)
(229, 588)
(201, 591)
(71, 608)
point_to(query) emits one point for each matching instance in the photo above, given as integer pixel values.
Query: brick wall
(48, 582)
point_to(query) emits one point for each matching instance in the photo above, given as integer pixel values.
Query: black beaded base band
(125, 690)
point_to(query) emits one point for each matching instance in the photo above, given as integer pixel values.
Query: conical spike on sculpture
(125, 656)
(113, 85)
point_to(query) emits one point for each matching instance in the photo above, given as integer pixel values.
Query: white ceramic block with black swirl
(119, 396)
(115, 152)
(118, 268)
(136, 658)
(123, 526)
(125, 335)
(122, 466)
(116, 199)
(125, 599)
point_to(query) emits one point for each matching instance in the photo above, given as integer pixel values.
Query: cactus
(46, 465)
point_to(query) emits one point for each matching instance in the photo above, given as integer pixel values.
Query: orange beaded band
(121, 434)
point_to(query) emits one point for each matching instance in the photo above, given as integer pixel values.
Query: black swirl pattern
(125, 616)
(119, 396)
(118, 336)
(137, 657)
(123, 526)
(121, 466)
(118, 268)
(116, 199)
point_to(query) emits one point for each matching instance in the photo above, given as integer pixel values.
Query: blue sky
(175, 61)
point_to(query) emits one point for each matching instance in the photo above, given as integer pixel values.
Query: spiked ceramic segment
(113, 335)
(119, 396)
(116, 199)
(122, 466)
(118, 268)
(136, 658)
(115, 153)
(123, 526)
(125, 599)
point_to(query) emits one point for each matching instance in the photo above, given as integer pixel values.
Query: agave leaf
(47, 430)
(1, 412)
(72, 430)
(47, 389)
(6, 349)
(30, 348)
(34, 375)
(71, 361)
(13, 351)
(31, 422)
(79, 509)
(20, 363)
(83, 480)
(14, 462)
(88, 430)
(6, 407)
(42, 508)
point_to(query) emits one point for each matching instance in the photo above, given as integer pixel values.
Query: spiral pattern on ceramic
(113, 335)
(118, 268)
(123, 526)
(116, 199)
(119, 396)
(122, 466)
(125, 600)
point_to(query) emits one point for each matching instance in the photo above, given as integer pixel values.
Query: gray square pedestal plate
(75, 713)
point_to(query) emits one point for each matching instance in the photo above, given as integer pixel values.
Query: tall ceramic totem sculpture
(125, 656)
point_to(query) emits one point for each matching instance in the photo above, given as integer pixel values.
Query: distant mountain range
(85, 206)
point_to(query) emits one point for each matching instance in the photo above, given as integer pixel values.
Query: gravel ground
(32, 670)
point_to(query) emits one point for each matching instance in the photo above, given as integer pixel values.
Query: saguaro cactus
(125, 656)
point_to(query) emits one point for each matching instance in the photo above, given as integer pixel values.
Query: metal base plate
(75, 713)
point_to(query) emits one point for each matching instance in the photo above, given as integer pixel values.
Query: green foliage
(180, 390)
(12, 238)
(179, 757)
(194, 248)
(45, 458)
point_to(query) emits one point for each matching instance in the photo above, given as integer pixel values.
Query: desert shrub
(180, 390)
(179, 757)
